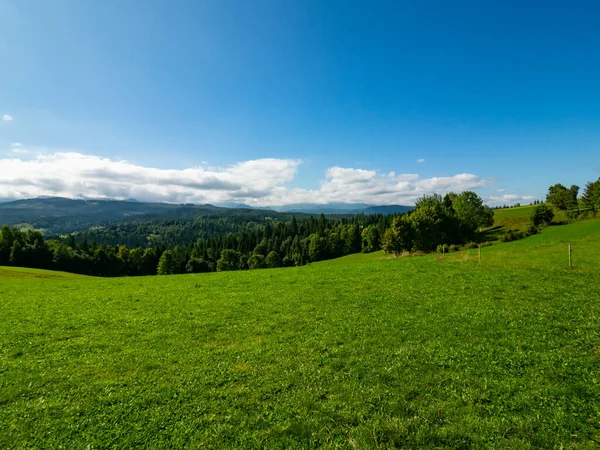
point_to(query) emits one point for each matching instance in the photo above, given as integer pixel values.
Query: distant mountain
(388, 209)
(342, 208)
(240, 206)
(56, 215)
(327, 208)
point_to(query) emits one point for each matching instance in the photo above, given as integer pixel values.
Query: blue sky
(272, 102)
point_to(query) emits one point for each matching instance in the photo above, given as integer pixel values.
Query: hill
(342, 208)
(363, 352)
(55, 215)
(20, 273)
(518, 218)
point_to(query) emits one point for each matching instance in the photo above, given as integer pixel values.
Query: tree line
(453, 219)
(230, 243)
(561, 198)
(270, 244)
(568, 199)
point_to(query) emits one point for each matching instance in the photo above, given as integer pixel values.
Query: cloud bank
(260, 182)
(508, 199)
(7, 117)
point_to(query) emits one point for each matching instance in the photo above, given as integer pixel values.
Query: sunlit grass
(362, 352)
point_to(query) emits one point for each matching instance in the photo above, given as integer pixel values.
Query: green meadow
(367, 351)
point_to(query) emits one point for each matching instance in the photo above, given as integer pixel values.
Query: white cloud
(421, 160)
(508, 199)
(500, 190)
(19, 151)
(260, 182)
(369, 186)
(7, 117)
(16, 144)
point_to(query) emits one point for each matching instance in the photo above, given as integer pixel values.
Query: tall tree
(166, 263)
(562, 198)
(471, 211)
(591, 195)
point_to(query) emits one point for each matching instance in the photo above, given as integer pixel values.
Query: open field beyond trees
(366, 351)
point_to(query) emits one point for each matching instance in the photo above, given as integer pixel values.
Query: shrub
(470, 245)
(587, 215)
(511, 235)
(197, 265)
(453, 248)
(541, 215)
(531, 230)
(256, 261)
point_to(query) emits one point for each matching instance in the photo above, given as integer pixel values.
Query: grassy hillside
(19, 273)
(518, 218)
(362, 352)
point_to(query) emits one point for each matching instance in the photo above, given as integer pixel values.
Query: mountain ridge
(57, 215)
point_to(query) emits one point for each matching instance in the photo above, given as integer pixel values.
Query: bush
(587, 215)
(510, 235)
(453, 248)
(470, 245)
(256, 261)
(541, 215)
(531, 230)
(197, 265)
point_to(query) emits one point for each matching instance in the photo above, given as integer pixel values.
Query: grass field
(18, 273)
(362, 352)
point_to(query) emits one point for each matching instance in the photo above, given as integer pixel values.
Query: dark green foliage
(24, 248)
(273, 260)
(197, 265)
(512, 235)
(531, 230)
(103, 251)
(399, 237)
(542, 215)
(562, 198)
(591, 195)
(435, 221)
(317, 247)
(370, 239)
(167, 264)
(256, 261)
(471, 211)
(230, 260)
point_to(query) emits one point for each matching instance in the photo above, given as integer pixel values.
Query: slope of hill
(20, 273)
(364, 352)
(55, 215)
(342, 208)
(518, 218)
